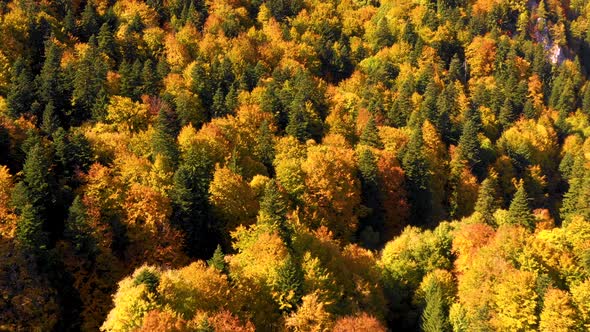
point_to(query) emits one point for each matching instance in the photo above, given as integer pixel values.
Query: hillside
(295, 165)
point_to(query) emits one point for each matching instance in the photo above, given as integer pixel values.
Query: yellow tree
(559, 314)
(516, 301)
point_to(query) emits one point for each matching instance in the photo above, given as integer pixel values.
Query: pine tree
(576, 200)
(298, 123)
(273, 212)
(78, 230)
(370, 135)
(289, 286)
(469, 146)
(69, 23)
(89, 81)
(150, 79)
(30, 231)
(50, 121)
(49, 81)
(217, 261)
(89, 22)
(434, 318)
(487, 202)
(586, 100)
(265, 150)
(519, 212)
(383, 36)
(164, 139)
(106, 42)
(455, 72)
(218, 106)
(401, 108)
(417, 174)
(20, 92)
(371, 195)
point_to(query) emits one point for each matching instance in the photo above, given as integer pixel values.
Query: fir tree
(586, 100)
(30, 230)
(265, 150)
(371, 196)
(417, 174)
(576, 200)
(69, 23)
(89, 22)
(20, 92)
(469, 147)
(289, 286)
(50, 121)
(434, 318)
(77, 229)
(49, 81)
(217, 261)
(150, 79)
(298, 123)
(370, 135)
(487, 202)
(106, 42)
(89, 80)
(519, 212)
(273, 212)
(401, 109)
(383, 36)
(164, 139)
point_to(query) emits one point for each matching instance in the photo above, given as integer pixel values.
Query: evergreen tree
(298, 124)
(50, 121)
(519, 212)
(30, 231)
(150, 79)
(69, 23)
(401, 109)
(289, 286)
(487, 202)
(586, 100)
(434, 318)
(190, 201)
(455, 72)
(576, 200)
(21, 91)
(370, 135)
(164, 139)
(371, 198)
(78, 230)
(273, 212)
(218, 105)
(469, 146)
(264, 150)
(383, 36)
(217, 261)
(106, 42)
(89, 81)
(49, 81)
(89, 22)
(417, 174)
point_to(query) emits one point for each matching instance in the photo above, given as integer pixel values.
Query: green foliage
(519, 212)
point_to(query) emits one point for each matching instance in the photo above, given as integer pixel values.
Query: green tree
(89, 22)
(218, 260)
(289, 286)
(370, 135)
(576, 200)
(164, 138)
(434, 317)
(21, 91)
(89, 81)
(519, 212)
(273, 212)
(49, 80)
(30, 230)
(50, 121)
(150, 79)
(469, 146)
(106, 42)
(78, 231)
(487, 201)
(371, 198)
(415, 165)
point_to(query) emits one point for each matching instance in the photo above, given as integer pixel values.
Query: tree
(89, 81)
(383, 36)
(49, 80)
(487, 201)
(289, 285)
(77, 229)
(360, 322)
(469, 145)
(106, 42)
(20, 93)
(30, 230)
(218, 260)
(89, 22)
(273, 212)
(558, 313)
(371, 197)
(370, 135)
(416, 170)
(434, 318)
(519, 212)
(164, 138)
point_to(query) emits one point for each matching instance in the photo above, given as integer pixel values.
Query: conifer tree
(89, 22)
(89, 80)
(298, 123)
(106, 42)
(519, 212)
(30, 230)
(164, 139)
(217, 261)
(469, 146)
(487, 202)
(417, 174)
(371, 195)
(383, 36)
(434, 318)
(289, 286)
(78, 230)
(20, 92)
(49, 81)
(576, 200)
(50, 121)
(370, 135)
(150, 79)
(401, 108)
(69, 23)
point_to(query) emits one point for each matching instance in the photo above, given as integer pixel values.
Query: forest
(294, 165)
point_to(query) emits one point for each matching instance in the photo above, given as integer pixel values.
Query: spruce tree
(78, 231)
(370, 135)
(150, 79)
(371, 196)
(576, 201)
(217, 261)
(417, 174)
(298, 123)
(469, 146)
(49, 80)
(383, 36)
(21, 91)
(89, 81)
(30, 230)
(50, 121)
(401, 109)
(273, 212)
(487, 202)
(289, 286)
(89, 22)
(519, 212)
(434, 317)
(106, 42)
(164, 139)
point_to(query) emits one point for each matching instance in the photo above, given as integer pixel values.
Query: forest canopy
(303, 165)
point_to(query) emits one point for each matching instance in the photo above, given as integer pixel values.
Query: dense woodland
(301, 165)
